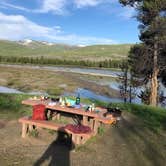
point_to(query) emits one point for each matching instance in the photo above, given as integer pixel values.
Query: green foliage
(33, 133)
(148, 59)
(55, 91)
(62, 120)
(101, 130)
(153, 118)
(144, 95)
(52, 132)
(11, 107)
(140, 65)
(52, 61)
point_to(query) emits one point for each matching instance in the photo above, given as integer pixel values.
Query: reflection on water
(85, 93)
(4, 89)
(100, 72)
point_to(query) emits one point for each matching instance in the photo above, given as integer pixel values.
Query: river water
(90, 71)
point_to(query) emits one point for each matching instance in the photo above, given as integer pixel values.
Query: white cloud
(58, 7)
(83, 3)
(55, 6)
(8, 5)
(18, 27)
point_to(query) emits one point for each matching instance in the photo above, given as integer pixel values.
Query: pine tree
(150, 54)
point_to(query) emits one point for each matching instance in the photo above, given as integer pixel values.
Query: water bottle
(78, 99)
(93, 106)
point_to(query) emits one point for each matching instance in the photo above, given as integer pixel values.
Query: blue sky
(80, 22)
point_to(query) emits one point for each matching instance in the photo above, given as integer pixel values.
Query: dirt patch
(2, 124)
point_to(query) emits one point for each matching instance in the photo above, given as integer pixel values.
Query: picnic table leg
(24, 130)
(96, 126)
(78, 140)
(58, 116)
(85, 120)
(91, 123)
(30, 127)
(73, 138)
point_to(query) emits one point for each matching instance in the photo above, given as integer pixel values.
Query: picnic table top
(78, 111)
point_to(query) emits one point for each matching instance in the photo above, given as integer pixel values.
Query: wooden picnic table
(95, 117)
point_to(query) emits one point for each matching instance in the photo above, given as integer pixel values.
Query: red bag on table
(39, 112)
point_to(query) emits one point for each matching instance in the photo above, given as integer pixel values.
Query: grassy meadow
(54, 83)
(60, 51)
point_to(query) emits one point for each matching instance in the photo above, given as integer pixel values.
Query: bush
(55, 91)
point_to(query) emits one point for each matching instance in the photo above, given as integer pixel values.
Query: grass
(53, 82)
(11, 107)
(101, 130)
(55, 91)
(153, 117)
(60, 51)
(34, 133)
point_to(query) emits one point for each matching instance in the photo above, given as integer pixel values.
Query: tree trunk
(130, 94)
(154, 80)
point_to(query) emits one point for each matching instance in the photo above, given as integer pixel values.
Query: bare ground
(127, 143)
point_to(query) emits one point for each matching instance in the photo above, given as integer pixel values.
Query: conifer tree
(149, 58)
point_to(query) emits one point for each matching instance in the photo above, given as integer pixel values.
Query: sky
(75, 22)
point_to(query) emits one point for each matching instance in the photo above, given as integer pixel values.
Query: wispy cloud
(54, 6)
(92, 3)
(83, 3)
(8, 5)
(59, 7)
(18, 27)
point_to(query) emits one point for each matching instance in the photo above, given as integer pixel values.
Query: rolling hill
(30, 48)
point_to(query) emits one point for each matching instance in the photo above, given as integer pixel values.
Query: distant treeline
(41, 60)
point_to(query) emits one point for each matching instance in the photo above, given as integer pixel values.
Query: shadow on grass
(140, 144)
(58, 152)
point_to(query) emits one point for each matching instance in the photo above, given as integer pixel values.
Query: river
(90, 71)
(83, 92)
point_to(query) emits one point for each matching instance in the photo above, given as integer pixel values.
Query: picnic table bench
(28, 123)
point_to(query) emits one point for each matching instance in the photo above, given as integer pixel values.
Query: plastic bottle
(93, 106)
(78, 99)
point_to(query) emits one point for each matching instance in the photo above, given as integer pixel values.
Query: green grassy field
(38, 49)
